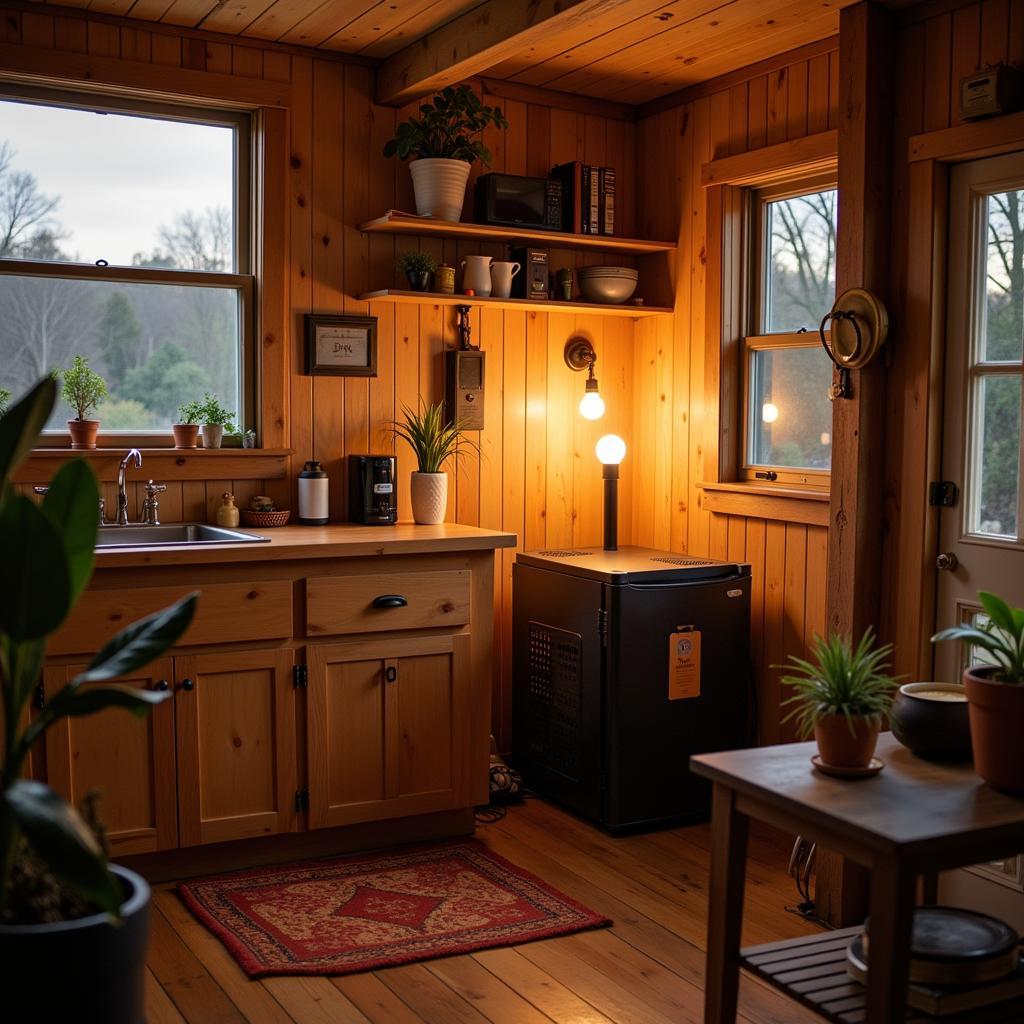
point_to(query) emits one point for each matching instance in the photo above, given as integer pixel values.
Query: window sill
(764, 501)
(165, 463)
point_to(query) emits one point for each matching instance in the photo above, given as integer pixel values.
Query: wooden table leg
(725, 906)
(930, 889)
(893, 893)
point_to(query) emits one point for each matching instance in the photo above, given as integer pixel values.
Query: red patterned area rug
(351, 914)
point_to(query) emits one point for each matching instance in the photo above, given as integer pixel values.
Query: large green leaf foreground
(47, 551)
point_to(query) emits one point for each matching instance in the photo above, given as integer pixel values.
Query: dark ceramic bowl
(934, 728)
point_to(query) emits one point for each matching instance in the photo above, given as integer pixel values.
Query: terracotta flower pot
(186, 435)
(842, 747)
(429, 493)
(83, 433)
(997, 725)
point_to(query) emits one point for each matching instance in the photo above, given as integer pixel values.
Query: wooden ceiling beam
(477, 40)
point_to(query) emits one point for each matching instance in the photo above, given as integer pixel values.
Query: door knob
(188, 684)
(946, 561)
(161, 685)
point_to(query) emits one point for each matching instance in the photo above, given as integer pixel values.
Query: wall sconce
(580, 355)
(610, 451)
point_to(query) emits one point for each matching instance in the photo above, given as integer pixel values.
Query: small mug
(564, 278)
(502, 273)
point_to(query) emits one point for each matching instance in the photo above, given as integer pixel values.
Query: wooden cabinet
(236, 745)
(131, 761)
(388, 728)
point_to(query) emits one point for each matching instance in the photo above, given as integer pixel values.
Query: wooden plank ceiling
(630, 51)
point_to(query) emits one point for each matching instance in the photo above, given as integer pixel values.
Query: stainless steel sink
(173, 534)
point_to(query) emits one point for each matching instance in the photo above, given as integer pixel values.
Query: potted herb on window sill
(434, 442)
(418, 268)
(443, 142)
(186, 430)
(83, 389)
(841, 697)
(995, 692)
(73, 929)
(215, 420)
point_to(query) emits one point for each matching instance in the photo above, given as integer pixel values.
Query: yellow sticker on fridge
(684, 665)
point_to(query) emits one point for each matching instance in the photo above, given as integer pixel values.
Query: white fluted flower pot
(439, 185)
(429, 493)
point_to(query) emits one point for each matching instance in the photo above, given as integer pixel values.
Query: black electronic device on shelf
(517, 201)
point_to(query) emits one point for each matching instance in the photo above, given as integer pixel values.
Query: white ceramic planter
(213, 435)
(439, 185)
(429, 493)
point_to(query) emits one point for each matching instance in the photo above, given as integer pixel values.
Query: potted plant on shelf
(418, 268)
(83, 389)
(841, 697)
(73, 929)
(215, 419)
(186, 430)
(433, 441)
(995, 691)
(442, 142)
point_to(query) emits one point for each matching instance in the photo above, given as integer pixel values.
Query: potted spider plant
(418, 268)
(186, 430)
(841, 696)
(83, 389)
(995, 691)
(73, 929)
(433, 441)
(443, 142)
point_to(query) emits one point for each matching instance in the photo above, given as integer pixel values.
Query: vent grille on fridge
(558, 553)
(668, 560)
(553, 715)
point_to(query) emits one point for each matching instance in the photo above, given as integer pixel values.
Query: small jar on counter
(314, 490)
(444, 279)
(227, 513)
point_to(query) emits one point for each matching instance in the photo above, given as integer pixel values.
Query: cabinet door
(388, 729)
(236, 745)
(129, 760)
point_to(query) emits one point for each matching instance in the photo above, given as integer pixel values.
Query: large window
(787, 428)
(124, 238)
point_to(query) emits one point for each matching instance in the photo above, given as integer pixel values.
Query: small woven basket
(264, 520)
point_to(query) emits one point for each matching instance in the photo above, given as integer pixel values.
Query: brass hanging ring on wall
(860, 325)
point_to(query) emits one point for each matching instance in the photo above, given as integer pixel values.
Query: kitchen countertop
(336, 541)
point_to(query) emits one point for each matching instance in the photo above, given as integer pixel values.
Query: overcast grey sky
(118, 177)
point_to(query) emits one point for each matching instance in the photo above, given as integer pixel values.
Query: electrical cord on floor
(801, 867)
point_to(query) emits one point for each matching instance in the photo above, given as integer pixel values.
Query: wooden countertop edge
(290, 543)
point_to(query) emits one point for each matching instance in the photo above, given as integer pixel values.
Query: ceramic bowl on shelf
(931, 720)
(608, 285)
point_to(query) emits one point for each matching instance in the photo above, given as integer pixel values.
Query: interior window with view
(120, 242)
(788, 415)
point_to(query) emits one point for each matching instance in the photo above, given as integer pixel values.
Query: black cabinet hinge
(300, 677)
(40, 697)
(302, 799)
(943, 493)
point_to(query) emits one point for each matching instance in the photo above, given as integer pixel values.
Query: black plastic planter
(89, 971)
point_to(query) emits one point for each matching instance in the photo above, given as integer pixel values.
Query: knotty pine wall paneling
(536, 474)
(673, 414)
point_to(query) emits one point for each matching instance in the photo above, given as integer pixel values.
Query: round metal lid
(852, 347)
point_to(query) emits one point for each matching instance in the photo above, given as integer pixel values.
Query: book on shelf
(606, 211)
(570, 176)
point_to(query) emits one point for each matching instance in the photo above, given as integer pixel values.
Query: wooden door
(236, 745)
(388, 729)
(129, 760)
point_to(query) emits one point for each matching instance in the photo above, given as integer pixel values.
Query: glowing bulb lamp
(610, 451)
(769, 412)
(580, 355)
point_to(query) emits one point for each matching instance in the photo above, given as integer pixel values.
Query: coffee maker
(372, 497)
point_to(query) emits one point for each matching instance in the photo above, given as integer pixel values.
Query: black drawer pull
(389, 601)
(188, 684)
(161, 685)
(390, 673)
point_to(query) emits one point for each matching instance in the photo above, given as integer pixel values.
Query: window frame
(756, 257)
(242, 279)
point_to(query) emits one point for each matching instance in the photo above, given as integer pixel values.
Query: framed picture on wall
(341, 345)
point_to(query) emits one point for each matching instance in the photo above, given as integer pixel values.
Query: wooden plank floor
(648, 968)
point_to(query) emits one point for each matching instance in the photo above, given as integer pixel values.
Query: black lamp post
(610, 451)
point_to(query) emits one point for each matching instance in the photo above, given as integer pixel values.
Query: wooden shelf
(812, 970)
(528, 305)
(395, 223)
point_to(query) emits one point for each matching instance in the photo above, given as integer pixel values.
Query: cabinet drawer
(345, 604)
(226, 612)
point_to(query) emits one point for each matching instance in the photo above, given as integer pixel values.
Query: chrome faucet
(122, 494)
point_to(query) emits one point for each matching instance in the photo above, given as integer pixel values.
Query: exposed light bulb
(610, 449)
(826, 437)
(592, 405)
(769, 412)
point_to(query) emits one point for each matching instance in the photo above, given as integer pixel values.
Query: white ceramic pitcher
(476, 275)
(502, 273)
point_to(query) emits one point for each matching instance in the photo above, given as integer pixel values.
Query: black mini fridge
(624, 664)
